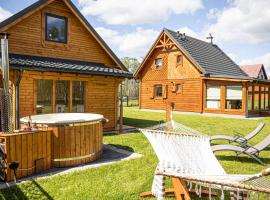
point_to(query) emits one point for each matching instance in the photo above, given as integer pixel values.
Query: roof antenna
(210, 37)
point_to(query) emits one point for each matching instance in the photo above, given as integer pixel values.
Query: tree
(131, 86)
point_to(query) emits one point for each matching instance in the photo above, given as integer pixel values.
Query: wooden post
(54, 97)
(169, 106)
(223, 98)
(168, 111)
(253, 97)
(268, 98)
(259, 99)
(127, 100)
(121, 109)
(139, 95)
(70, 96)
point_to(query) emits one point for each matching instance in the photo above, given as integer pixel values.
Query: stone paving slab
(111, 154)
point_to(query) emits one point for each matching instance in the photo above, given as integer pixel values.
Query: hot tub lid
(63, 118)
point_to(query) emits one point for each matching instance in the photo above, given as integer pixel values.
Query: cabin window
(158, 91)
(213, 97)
(234, 97)
(178, 88)
(62, 96)
(56, 28)
(179, 59)
(78, 96)
(158, 63)
(44, 96)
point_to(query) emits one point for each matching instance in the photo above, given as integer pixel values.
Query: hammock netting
(186, 153)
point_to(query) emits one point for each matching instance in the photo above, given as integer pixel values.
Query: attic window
(56, 28)
(158, 63)
(179, 59)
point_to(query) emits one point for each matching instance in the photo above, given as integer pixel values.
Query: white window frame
(213, 99)
(232, 94)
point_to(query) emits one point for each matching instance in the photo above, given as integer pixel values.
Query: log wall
(188, 100)
(101, 93)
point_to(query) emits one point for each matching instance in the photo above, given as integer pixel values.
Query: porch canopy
(37, 63)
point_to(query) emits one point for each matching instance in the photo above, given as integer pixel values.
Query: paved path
(111, 154)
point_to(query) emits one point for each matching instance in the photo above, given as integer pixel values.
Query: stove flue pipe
(5, 62)
(7, 122)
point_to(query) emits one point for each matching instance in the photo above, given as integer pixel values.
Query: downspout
(246, 100)
(17, 105)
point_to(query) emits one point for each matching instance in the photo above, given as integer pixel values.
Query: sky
(240, 27)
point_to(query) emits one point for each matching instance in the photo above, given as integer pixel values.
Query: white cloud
(4, 14)
(243, 21)
(126, 12)
(135, 44)
(264, 59)
(213, 13)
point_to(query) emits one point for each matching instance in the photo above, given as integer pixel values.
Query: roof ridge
(191, 37)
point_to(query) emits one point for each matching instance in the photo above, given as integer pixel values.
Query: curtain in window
(234, 92)
(234, 97)
(213, 96)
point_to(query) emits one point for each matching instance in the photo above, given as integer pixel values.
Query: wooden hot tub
(77, 138)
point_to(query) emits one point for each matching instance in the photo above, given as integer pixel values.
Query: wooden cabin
(198, 77)
(59, 63)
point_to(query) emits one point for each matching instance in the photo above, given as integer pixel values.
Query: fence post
(127, 101)
(121, 109)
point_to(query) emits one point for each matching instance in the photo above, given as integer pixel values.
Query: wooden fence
(31, 149)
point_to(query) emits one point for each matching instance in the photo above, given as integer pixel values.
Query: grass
(126, 179)
(131, 103)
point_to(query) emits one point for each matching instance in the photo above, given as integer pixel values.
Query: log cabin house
(198, 77)
(59, 63)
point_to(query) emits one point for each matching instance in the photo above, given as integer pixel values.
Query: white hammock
(186, 153)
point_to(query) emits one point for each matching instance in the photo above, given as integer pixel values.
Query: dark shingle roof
(210, 58)
(39, 3)
(62, 65)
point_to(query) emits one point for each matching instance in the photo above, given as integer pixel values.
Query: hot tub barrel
(77, 138)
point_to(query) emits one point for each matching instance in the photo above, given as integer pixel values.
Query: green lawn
(126, 179)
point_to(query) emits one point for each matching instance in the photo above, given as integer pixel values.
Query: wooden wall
(150, 73)
(31, 149)
(101, 93)
(188, 100)
(186, 70)
(171, 73)
(28, 38)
